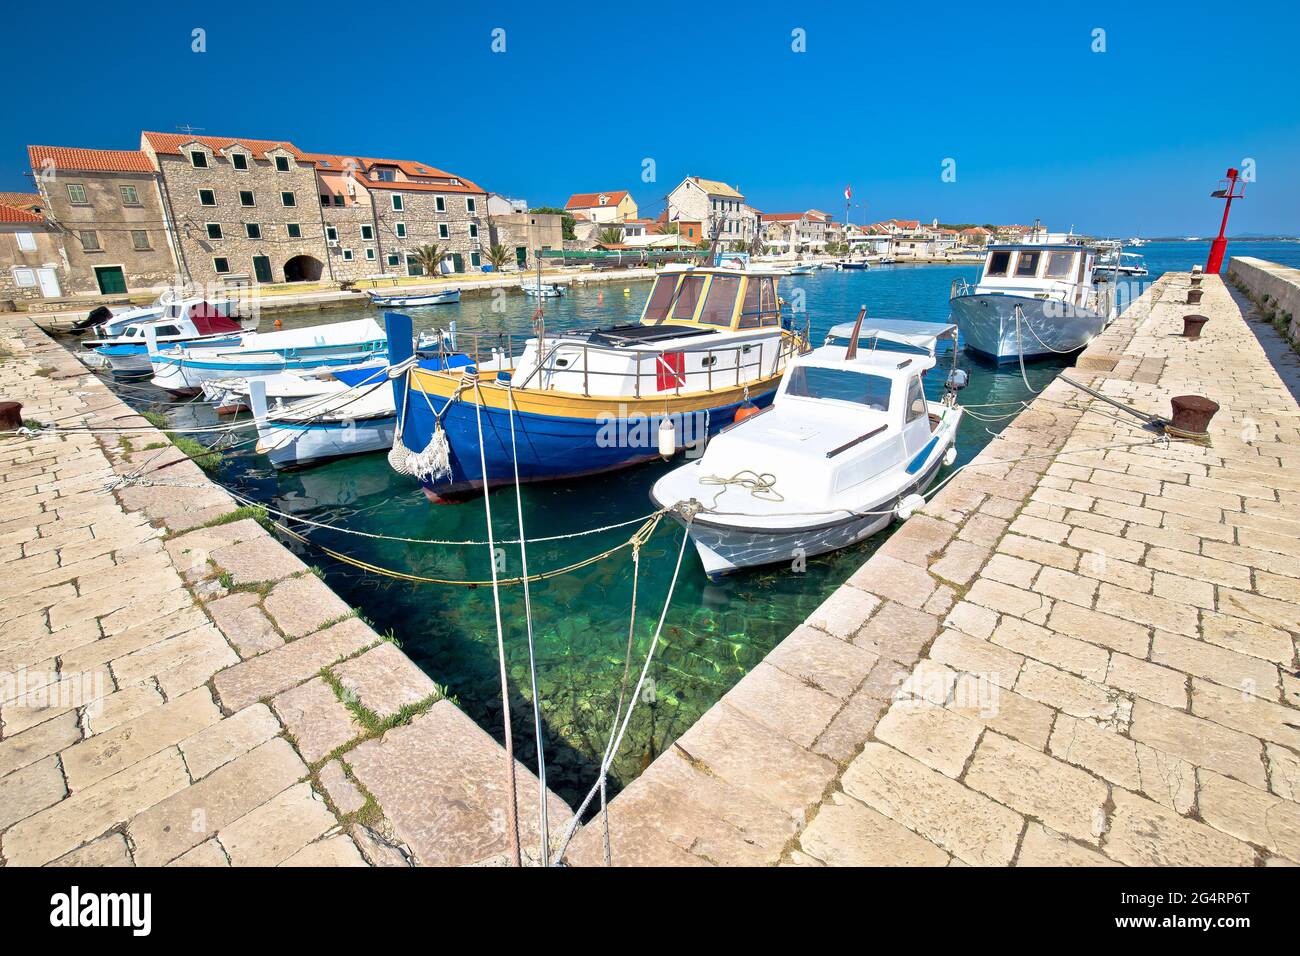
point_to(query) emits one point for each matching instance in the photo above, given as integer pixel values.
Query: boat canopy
(909, 332)
(725, 299)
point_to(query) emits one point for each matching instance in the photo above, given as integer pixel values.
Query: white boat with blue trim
(847, 445)
(413, 300)
(182, 371)
(195, 325)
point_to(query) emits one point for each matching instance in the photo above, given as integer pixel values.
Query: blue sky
(1131, 139)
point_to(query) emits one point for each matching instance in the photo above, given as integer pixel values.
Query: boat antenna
(852, 353)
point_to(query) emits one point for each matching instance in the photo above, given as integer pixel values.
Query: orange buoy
(600, 298)
(279, 324)
(748, 410)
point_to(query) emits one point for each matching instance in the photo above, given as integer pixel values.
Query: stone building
(242, 208)
(714, 203)
(524, 234)
(106, 208)
(31, 252)
(617, 205)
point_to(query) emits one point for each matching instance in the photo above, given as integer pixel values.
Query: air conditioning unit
(332, 243)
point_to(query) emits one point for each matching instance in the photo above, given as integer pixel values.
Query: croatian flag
(848, 193)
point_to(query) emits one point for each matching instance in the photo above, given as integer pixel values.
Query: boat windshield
(721, 301)
(761, 306)
(1060, 265)
(688, 297)
(661, 296)
(843, 385)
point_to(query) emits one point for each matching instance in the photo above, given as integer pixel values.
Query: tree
(430, 258)
(498, 255)
(670, 229)
(610, 236)
(567, 222)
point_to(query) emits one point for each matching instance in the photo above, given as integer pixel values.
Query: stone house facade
(524, 234)
(244, 209)
(714, 203)
(106, 208)
(32, 266)
(616, 205)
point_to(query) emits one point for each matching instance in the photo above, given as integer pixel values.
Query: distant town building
(617, 205)
(498, 205)
(710, 202)
(31, 251)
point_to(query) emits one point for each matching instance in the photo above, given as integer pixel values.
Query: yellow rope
(639, 538)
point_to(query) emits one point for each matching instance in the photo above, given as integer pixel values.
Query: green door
(262, 269)
(110, 279)
(457, 262)
(521, 256)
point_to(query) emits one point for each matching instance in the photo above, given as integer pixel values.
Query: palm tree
(610, 237)
(498, 255)
(430, 258)
(670, 229)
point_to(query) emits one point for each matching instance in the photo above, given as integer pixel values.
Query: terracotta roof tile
(362, 165)
(592, 200)
(171, 143)
(14, 214)
(97, 160)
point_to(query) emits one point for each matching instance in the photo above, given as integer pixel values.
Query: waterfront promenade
(1082, 651)
(177, 688)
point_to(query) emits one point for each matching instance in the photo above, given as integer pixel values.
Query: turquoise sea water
(714, 632)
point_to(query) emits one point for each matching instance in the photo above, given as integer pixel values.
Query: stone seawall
(1274, 289)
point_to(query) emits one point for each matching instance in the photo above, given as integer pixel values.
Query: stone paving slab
(1085, 646)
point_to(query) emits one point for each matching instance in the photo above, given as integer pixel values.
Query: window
(397, 203)
(688, 297)
(837, 384)
(89, 240)
(221, 264)
(916, 407)
(199, 159)
(140, 240)
(393, 259)
(473, 230)
(469, 205)
(332, 233)
(207, 197)
(324, 199)
(239, 161)
(246, 198)
(77, 194)
(25, 278)
(367, 233)
(293, 230)
(214, 230)
(288, 198)
(998, 264)
(253, 230)
(1027, 265)
(474, 260)
(347, 255)
(400, 230)
(282, 164)
(1060, 265)
(26, 241)
(129, 195)
(442, 230)
(440, 203)
(168, 330)
(656, 307)
(761, 307)
(370, 253)
(721, 301)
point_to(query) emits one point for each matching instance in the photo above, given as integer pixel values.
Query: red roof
(29, 201)
(14, 214)
(782, 216)
(592, 200)
(96, 160)
(172, 143)
(363, 165)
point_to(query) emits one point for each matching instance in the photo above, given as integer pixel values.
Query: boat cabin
(1057, 271)
(720, 298)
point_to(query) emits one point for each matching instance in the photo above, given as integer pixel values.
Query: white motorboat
(847, 445)
(1126, 264)
(183, 371)
(1032, 300)
(441, 297)
(198, 325)
(543, 290)
(887, 261)
(801, 269)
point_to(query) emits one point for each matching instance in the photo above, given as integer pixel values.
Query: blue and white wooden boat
(847, 444)
(348, 412)
(543, 290)
(182, 371)
(709, 341)
(441, 297)
(199, 325)
(1033, 300)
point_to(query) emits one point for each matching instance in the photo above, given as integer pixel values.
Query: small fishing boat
(802, 269)
(182, 371)
(1032, 300)
(200, 325)
(351, 412)
(847, 445)
(543, 290)
(106, 323)
(1128, 264)
(710, 339)
(887, 261)
(441, 297)
(855, 264)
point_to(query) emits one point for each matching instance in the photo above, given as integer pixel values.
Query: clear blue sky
(1119, 142)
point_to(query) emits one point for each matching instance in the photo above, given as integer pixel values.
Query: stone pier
(1082, 651)
(177, 688)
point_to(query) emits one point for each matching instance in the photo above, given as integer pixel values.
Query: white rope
(612, 749)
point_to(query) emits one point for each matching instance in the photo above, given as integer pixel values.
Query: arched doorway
(302, 269)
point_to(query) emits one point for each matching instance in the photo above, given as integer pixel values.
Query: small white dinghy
(847, 445)
(543, 290)
(441, 297)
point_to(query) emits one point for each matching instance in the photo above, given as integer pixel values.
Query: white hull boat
(183, 371)
(1033, 300)
(848, 443)
(442, 297)
(198, 325)
(543, 290)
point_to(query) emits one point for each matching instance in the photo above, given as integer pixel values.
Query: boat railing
(960, 286)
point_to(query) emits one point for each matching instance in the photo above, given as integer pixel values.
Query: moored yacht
(1032, 300)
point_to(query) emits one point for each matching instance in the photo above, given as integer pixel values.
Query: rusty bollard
(1192, 414)
(1194, 296)
(11, 416)
(1196, 279)
(1192, 325)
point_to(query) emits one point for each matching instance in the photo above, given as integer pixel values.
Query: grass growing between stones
(196, 451)
(256, 512)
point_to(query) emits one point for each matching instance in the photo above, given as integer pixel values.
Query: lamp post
(1234, 189)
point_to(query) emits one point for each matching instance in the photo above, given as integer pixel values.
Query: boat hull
(289, 445)
(408, 301)
(185, 376)
(988, 326)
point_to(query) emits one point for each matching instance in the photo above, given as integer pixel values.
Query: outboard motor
(101, 314)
